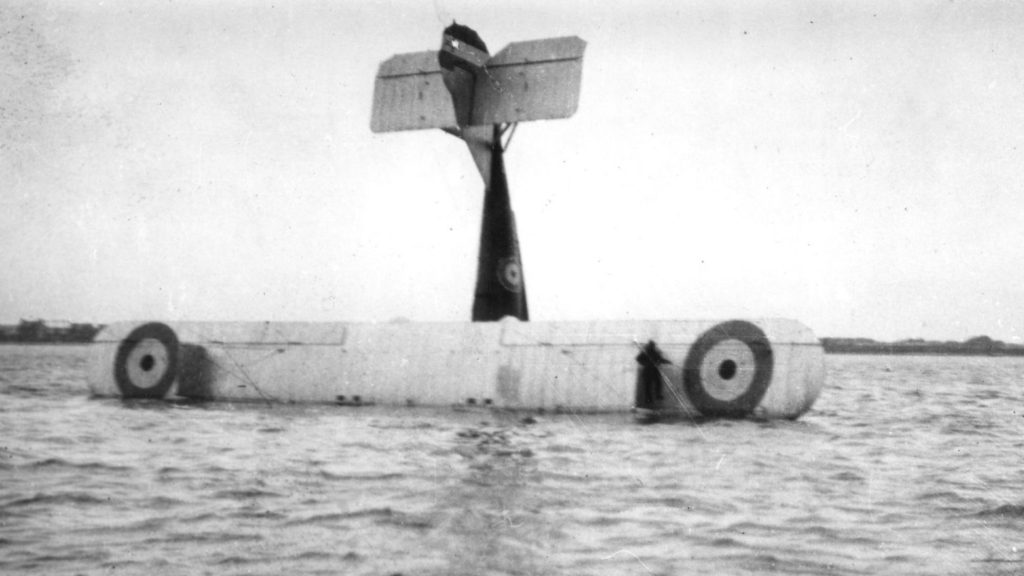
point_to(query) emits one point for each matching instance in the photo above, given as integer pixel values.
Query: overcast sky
(854, 165)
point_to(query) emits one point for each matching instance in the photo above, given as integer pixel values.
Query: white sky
(853, 165)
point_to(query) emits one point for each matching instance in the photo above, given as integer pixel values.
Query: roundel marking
(147, 361)
(728, 369)
(510, 274)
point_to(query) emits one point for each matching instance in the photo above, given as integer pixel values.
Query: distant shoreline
(38, 343)
(48, 332)
(897, 351)
(977, 346)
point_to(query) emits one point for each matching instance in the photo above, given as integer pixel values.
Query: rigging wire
(241, 373)
(511, 133)
(672, 390)
(247, 378)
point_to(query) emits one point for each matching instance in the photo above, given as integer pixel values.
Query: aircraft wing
(534, 80)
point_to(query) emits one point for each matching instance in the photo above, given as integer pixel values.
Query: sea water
(906, 465)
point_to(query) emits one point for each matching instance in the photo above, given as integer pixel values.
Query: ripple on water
(848, 476)
(360, 476)
(206, 537)
(1002, 511)
(384, 517)
(246, 494)
(58, 498)
(322, 555)
(948, 500)
(55, 463)
(892, 472)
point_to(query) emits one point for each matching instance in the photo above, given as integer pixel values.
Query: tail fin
(500, 285)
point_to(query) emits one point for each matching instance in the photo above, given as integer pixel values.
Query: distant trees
(31, 331)
(976, 346)
(984, 343)
(44, 331)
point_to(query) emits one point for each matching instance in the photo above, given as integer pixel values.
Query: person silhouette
(649, 380)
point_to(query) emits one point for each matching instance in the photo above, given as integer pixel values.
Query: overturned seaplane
(501, 360)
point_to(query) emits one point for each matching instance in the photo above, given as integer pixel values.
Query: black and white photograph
(452, 287)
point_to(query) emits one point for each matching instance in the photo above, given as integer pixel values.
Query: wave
(204, 537)
(847, 476)
(758, 562)
(69, 555)
(338, 516)
(62, 463)
(236, 561)
(403, 425)
(58, 498)
(22, 390)
(259, 514)
(381, 516)
(246, 494)
(163, 503)
(202, 517)
(1004, 511)
(321, 555)
(362, 477)
(747, 527)
(948, 499)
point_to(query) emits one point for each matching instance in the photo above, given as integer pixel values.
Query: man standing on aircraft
(649, 381)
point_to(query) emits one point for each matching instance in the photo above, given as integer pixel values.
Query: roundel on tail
(728, 369)
(147, 361)
(510, 274)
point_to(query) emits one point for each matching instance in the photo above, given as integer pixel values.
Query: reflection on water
(907, 465)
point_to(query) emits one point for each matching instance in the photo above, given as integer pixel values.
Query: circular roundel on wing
(728, 369)
(510, 274)
(147, 361)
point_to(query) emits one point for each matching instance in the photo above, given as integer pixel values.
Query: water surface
(906, 465)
